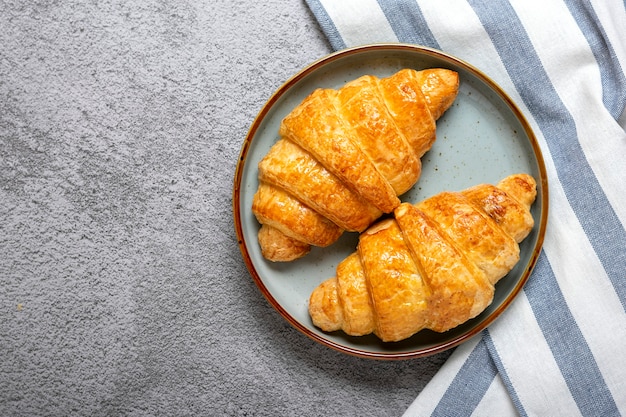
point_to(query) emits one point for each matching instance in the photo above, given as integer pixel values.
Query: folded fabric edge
(466, 382)
(327, 25)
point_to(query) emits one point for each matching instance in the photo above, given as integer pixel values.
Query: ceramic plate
(482, 138)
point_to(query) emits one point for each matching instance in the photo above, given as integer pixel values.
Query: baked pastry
(344, 156)
(432, 266)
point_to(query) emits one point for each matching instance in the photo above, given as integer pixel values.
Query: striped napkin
(560, 349)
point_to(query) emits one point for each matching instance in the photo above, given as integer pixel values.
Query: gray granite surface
(122, 289)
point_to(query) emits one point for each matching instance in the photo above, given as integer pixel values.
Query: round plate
(482, 138)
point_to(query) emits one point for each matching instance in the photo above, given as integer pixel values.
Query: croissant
(432, 265)
(344, 156)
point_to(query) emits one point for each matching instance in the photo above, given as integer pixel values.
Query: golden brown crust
(319, 129)
(365, 110)
(395, 284)
(294, 170)
(485, 243)
(507, 203)
(358, 317)
(439, 88)
(348, 153)
(274, 207)
(406, 103)
(434, 265)
(459, 290)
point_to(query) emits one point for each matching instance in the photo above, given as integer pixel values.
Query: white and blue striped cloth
(560, 349)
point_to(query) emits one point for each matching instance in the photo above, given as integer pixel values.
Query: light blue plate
(482, 138)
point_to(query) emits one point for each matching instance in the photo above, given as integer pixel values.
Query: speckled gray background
(122, 289)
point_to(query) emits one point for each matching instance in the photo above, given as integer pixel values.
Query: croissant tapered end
(279, 247)
(508, 203)
(440, 88)
(432, 266)
(522, 187)
(324, 307)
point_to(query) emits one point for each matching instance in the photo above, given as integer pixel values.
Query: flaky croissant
(432, 266)
(344, 156)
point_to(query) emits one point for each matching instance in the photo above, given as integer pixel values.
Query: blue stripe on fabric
(327, 24)
(567, 343)
(491, 347)
(585, 195)
(407, 22)
(611, 74)
(469, 385)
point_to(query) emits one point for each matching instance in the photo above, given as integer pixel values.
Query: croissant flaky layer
(432, 266)
(344, 156)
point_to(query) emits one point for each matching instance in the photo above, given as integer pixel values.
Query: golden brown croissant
(344, 156)
(432, 266)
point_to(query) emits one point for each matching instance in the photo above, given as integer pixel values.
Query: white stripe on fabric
(373, 25)
(514, 329)
(495, 402)
(427, 401)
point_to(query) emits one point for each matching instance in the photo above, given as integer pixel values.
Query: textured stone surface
(123, 291)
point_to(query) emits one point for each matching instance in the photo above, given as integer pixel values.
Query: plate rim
(364, 49)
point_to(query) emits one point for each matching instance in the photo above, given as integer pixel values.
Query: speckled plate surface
(482, 138)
